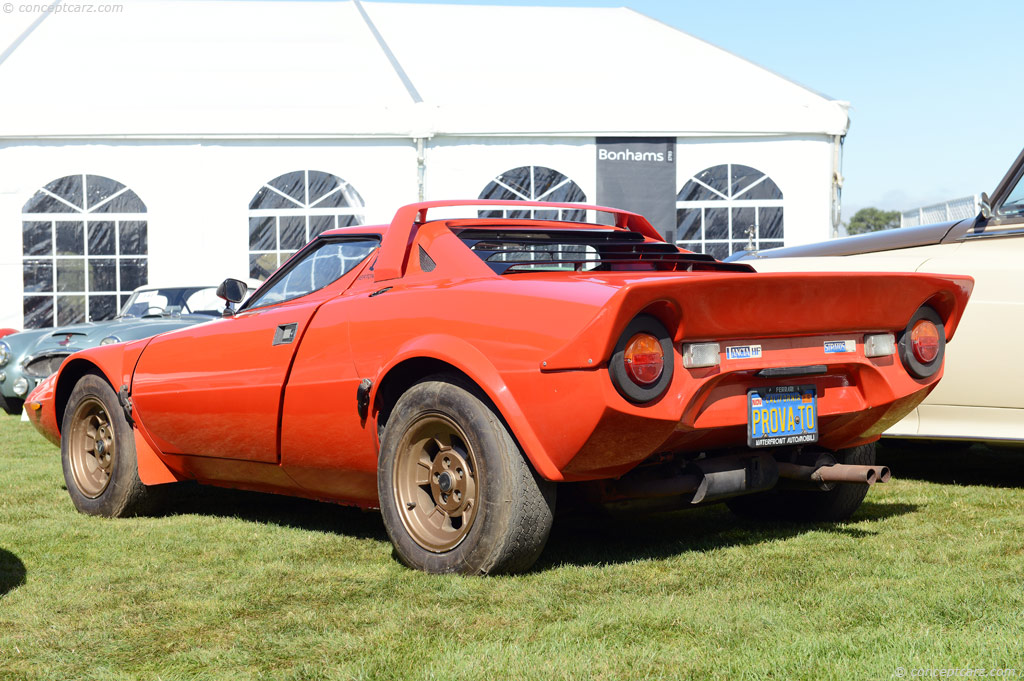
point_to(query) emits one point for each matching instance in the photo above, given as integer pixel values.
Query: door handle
(285, 333)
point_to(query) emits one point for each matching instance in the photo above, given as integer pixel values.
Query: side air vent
(427, 263)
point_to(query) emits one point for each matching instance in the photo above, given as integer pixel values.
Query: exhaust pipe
(840, 472)
(706, 479)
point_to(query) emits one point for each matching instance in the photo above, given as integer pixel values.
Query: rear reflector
(879, 345)
(697, 355)
(924, 341)
(644, 359)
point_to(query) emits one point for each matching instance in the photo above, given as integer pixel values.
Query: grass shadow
(277, 509)
(12, 572)
(954, 463)
(604, 539)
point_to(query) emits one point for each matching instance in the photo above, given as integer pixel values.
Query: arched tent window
(84, 249)
(293, 208)
(534, 183)
(722, 209)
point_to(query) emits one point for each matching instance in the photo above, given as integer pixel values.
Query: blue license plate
(782, 415)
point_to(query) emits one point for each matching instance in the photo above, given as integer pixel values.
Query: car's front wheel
(98, 453)
(456, 493)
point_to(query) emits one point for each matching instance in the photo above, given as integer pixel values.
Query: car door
(216, 389)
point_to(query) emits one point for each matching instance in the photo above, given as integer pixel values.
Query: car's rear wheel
(98, 453)
(456, 493)
(837, 504)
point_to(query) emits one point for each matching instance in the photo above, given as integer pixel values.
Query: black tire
(11, 405)
(835, 505)
(122, 494)
(505, 527)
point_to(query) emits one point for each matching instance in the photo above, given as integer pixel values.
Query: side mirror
(986, 206)
(232, 290)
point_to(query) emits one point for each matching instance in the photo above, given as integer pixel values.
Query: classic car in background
(30, 356)
(979, 398)
(452, 371)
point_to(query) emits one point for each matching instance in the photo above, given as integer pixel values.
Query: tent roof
(287, 69)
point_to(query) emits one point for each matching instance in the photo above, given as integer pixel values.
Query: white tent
(195, 105)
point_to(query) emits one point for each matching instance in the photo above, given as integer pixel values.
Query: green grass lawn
(929, 574)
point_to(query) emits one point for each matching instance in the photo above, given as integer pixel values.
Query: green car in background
(28, 357)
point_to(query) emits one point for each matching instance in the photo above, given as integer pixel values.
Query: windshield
(1014, 203)
(169, 302)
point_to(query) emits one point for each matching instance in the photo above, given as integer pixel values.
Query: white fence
(954, 209)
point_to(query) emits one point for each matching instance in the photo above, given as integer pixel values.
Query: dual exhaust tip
(864, 475)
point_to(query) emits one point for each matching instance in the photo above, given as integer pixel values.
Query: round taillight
(644, 359)
(924, 341)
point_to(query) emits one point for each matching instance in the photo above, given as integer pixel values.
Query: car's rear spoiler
(394, 251)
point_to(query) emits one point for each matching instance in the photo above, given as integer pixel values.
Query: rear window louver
(514, 251)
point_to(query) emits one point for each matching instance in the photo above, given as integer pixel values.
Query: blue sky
(937, 105)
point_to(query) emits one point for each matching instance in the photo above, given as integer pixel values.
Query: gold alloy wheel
(93, 447)
(436, 482)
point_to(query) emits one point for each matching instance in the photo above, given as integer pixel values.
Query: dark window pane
(692, 191)
(320, 184)
(103, 275)
(44, 203)
(292, 184)
(262, 266)
(692, 246)
(743, 224)
(70, 275)
(99, 188)
(763, 190)
(719, 251)
(102, 307)
(36, 238)
(545, 214)
(38, 311)
(68, 188)
(101, 238)
(688, 223)
(770, 223)
(266, 198)
(134, 237)
(134, 273)
(37, 276)
(567, 193)
(122, 300)
(716, 223)
(262, 235)
(489, 213)
(293, 232)
(320, 223)
(125, 202)
(770, 244)
(346, 197)
(517, 179)
(70, 310)
(70, 238)
(496, 192)
(717, 178)
(743, 177)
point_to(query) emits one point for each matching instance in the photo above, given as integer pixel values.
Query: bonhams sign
(639, 174)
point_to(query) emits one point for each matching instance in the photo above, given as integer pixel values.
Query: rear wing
(393, 255)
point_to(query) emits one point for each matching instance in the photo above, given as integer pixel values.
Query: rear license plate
(782, 415)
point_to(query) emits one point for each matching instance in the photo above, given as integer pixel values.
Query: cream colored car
(981, 396)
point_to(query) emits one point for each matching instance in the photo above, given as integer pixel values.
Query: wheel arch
(431, 355)
(69, 376)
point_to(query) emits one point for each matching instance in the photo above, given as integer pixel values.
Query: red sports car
(456, 372)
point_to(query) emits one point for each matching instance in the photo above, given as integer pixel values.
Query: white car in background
(981, 396)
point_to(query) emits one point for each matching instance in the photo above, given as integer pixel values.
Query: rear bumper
(591, 432)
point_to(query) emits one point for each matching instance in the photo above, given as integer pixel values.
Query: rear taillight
(644, 359)
(641, 364)
(924, 341)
